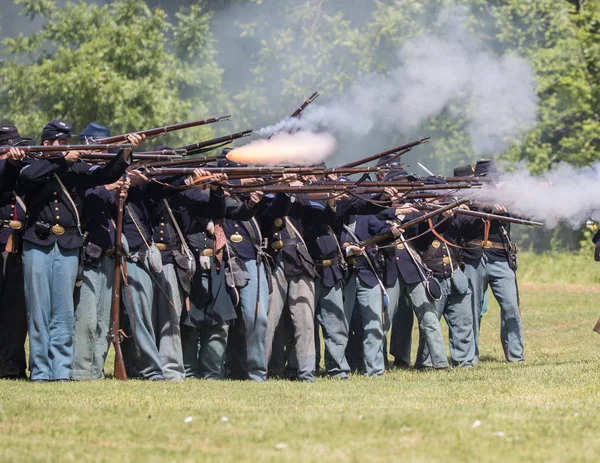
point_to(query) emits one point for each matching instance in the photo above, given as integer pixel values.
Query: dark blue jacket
(472, 228)
(46, 201)
(10, 209)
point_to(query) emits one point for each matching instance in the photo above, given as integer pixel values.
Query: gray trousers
(204, 350)
(502, 280)
(297, 296)
(432, 350)
(456, 310)
(368, 302)
(166, 320)
(329, 307)
(92, 321)
(140, 352)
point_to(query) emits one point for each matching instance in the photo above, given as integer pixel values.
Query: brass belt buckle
(15, 224)
(277, 245)
(327, 263)
(400, 246)
(161, 246)
(58, 229)
(486, 244)
(207, 252)
(236, 238)
(109, 252)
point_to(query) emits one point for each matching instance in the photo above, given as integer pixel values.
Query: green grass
(544, 410)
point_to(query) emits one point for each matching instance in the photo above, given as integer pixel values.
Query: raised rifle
(411, 223)
(296, 114)
(120, 372)
(398, 151)
(486, 216)
(151, 133)
(214, 143)
(32, 151)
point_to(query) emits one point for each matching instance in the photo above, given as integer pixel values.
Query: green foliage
(113, 64)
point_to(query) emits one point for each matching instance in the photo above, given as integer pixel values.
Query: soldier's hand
(136, 177)
(72, 156)
(406, 209)
(353, 250)
(499, 209)
(15, 156)
(388, 193)
(396, 231)
(135, 139)
(255, 198)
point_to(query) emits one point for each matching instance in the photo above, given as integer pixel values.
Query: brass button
(56, 200)
(161, 232)
(162, 224)
(54, 193)
(56, 209)
(58, 217)
(161, 238)
(446, 260)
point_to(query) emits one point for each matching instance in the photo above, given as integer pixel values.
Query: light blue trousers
(368, 302)
(456, 310)
(50, 274)
(141, 354)
(502, 281)
(166, 320)
(253, 327)
(329, 309)
(92, 321)
(432, 351)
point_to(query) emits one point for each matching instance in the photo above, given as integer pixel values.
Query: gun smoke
(564, 194)
(450, 71)
(298, 149)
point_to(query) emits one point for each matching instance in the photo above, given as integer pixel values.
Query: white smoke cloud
(496, 95)
(564, 194)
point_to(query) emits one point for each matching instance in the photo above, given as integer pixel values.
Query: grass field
(546, 409)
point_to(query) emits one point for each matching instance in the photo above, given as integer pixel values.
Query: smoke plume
(298, 149)
(564, 194)
(449, 71)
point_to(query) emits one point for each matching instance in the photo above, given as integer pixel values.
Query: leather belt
(487, 244)
(326, 263)
(277, 245)
(354, 260)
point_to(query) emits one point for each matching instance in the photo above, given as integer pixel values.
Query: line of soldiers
(217, 286)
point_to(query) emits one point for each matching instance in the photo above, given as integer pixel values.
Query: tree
(122, 65)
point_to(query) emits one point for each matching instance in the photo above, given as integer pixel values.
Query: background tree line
(131, 64)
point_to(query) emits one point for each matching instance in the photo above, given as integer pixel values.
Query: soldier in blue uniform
(13, 319)
(172, 217)
(490, 259)
(214, 291)
(52, 241)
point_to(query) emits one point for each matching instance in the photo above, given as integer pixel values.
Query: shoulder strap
(176, 225)
(137, 225)
(20, 201)
(66, 192)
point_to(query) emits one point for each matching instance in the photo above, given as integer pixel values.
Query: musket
(398, 151)
(421, 185)
(467, 179)
(150, 156)
(411, 223)
(31, 150)
(151, 133)
(296, 114)
(486, 216)
(251, 172)
(120, 372)
(200, 147)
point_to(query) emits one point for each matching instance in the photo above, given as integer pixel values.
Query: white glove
(353, 250)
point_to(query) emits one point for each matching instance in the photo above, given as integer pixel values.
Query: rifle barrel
(120, 372)
(163, 130)
(486, 216)
(303, 106)
(406, 148)
(194, 147)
